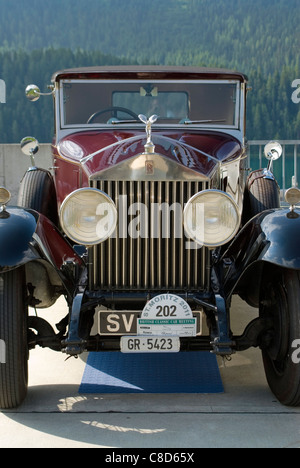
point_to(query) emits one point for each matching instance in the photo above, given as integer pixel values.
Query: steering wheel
(114, 111)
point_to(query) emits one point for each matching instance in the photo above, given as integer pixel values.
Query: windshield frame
(187, 125)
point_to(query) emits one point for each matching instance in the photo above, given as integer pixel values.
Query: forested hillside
(258, 37)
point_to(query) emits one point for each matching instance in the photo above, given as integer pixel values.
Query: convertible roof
(148, 72)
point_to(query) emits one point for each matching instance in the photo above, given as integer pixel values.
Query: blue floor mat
(185, 372)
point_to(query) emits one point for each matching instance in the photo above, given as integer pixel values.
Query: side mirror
(32, 92)
(273, 150)
(30, 146)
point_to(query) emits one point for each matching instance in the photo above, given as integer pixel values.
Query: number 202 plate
(150, 344)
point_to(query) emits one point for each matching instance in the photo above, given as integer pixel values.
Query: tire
(37, 192)
(261, 194)
(13, 334)
(280, 300)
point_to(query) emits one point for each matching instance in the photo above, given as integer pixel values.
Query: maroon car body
(200, 152)
(149, 224)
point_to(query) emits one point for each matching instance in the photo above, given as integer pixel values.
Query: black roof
(148, 72)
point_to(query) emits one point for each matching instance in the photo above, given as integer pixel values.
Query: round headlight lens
(88, 216)
(292, 196)
(4, 196)
(211, 218)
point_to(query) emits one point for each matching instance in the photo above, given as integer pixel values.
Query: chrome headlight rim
(81, 241)
(203, 242)
(5, 196)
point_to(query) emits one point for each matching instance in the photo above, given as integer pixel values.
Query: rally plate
(163, 315)
(125, 322)
(167, 315)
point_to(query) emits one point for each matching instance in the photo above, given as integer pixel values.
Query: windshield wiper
(185, 122)
(116, 122)
(190, 122)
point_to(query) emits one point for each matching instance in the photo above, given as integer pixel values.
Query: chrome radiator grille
(163, 261)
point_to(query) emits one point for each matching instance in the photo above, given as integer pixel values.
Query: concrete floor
(56, 415)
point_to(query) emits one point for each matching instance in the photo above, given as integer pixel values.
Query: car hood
(186, 155)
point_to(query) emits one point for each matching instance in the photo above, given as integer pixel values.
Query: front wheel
(13, 339)
(280, 302)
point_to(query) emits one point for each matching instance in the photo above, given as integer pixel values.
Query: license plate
(153, 344)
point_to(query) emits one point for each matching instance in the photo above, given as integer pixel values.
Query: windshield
(101, 103)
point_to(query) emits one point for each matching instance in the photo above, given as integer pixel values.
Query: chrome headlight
(4, 196)
(88, 216)
(211, 218)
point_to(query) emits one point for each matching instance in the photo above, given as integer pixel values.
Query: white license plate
(150, 344)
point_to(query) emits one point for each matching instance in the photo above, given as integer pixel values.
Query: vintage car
(148, 224)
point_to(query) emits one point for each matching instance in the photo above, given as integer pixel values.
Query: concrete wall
(13, 165)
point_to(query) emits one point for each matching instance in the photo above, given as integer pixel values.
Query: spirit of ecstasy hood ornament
(149, 146)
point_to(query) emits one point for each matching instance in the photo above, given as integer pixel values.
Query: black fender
(271, 237)
(29, 239)
(17, 227)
